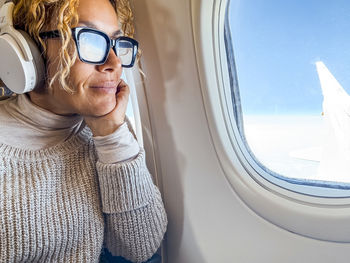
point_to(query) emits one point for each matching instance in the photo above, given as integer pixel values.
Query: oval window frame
(278, 201)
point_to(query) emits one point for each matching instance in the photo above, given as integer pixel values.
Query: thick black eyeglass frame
(111, 43)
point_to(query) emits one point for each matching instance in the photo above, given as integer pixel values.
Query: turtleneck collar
(22, 109)
(25, 125)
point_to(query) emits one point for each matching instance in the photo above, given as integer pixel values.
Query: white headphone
(22, 66)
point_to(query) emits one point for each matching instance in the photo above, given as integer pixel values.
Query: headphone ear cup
(14, 73)
(18, 74)
(38, 60)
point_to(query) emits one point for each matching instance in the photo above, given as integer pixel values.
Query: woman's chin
(102, 109)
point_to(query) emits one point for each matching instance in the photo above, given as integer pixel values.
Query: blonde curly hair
(33, 15)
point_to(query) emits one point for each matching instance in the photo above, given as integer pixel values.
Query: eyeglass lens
(125, 51)
(93, 48)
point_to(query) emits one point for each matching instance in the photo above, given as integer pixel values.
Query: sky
(276, 44)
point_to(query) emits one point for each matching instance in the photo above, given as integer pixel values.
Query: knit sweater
(62, 204)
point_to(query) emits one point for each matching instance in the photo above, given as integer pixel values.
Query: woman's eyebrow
(115, 34)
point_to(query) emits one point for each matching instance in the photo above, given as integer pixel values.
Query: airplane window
(290, 65)
(130, 114)
(130, 109)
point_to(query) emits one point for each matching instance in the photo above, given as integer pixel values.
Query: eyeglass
(93, 46)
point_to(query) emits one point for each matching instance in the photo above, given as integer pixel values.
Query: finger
(122, 96)
(121, 85)
(123, 91)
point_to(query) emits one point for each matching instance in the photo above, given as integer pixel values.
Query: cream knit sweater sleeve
(135, 218)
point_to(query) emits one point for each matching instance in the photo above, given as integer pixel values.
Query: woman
(73, 179)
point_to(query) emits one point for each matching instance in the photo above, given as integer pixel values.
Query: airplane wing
(335, 159)
(309, 154)
(334, 153)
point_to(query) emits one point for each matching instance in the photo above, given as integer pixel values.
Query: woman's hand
(107, 124)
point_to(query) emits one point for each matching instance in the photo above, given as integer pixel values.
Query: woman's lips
(108, 87)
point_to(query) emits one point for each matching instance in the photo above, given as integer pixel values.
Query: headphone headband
(5, 17)
(6, 27)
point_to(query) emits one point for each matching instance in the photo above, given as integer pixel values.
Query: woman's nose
(113, 63)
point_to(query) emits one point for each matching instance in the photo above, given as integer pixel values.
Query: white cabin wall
(207, 220)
